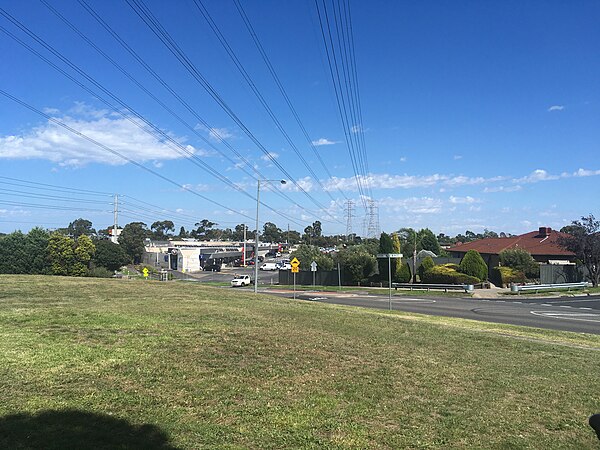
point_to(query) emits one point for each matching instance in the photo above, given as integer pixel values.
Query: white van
(268, 266)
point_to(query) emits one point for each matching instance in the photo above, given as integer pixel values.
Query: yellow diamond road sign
(295, 269)
(294, 262)
(145, 271)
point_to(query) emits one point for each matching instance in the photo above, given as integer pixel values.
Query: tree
(357, 262)
(204, 230)
(161, 229)
(385, 246)
(583, 239)
(396, 263)
(132, 239)
(36, 249)
(80, 227)
(182, 233)
(520, 260)
(403, 274)
(13, 254)
(309, 232)
(84, 251)
(426, 264)
(473, 264)
(61, 253)
(428, 241)
(306, 254)
(109, 255)
(271, 233)
(317, 229)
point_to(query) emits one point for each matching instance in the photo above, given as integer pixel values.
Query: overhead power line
(155, 26)
(155, 129)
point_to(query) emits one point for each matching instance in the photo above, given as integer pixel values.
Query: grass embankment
(85, 362)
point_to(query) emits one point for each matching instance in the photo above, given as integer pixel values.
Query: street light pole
(256, 238)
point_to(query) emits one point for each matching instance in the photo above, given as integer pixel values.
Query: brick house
(542, 244)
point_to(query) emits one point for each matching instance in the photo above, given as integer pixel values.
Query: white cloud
(218, 134)
(502, 189)
(403, 159)
(305, 183)
(197, 187)
(586, 173)
(53, 143)
(463, 200)
(456, 157)
(414, 205)
(357, 129)
(323, 141)
(556, 108)
(270, 156)
(537, 176)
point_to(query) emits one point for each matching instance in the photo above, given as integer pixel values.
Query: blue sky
(474, 114)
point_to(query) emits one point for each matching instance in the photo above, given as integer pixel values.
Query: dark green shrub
(473, 264)
(445, 274)
(504, 276)
(520, 260)
(100, 272)
(426, 264)
(403, 275)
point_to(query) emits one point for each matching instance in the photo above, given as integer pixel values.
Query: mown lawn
(86, 363)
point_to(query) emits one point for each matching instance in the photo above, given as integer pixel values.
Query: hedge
(445, 274)
(503, 276)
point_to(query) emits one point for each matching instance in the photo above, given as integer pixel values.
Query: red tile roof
(534, 242)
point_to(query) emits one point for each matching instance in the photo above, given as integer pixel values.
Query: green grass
(86, 363)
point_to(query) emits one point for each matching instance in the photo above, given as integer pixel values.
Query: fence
(305, 278)
(554, 273)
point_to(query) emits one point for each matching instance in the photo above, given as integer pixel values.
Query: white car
(285, 266)
(241, 280)
(268, 266)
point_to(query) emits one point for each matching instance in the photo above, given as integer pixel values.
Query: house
(542, 244)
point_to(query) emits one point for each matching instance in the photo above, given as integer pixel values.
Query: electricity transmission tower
(372, 220)
(349, 216)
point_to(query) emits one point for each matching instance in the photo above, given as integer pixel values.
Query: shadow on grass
(70, 429)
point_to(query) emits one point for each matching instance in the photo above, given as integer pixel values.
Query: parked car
(241, 280)
(213, 267)
(284, 266)
(268, 266)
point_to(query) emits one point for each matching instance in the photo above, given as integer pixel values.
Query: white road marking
(584, 317)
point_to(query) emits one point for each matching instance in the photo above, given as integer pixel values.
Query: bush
(520, 260)
(426, 264)
(503, 276)
(403, 274)
(445, 274)
(100, 272)
(473, 264)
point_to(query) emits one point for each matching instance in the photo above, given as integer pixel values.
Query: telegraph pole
(116, 218)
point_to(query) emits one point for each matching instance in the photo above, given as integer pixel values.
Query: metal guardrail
(428, 287)
(548, 287)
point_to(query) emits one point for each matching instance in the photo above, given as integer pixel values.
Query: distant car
(284, 266)
(212, 267)
(268, 266)
(241, 280)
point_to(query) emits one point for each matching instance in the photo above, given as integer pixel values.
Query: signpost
(389, 256)
(295, 269)
(313, 269)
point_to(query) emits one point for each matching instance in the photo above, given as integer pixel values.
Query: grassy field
(86, 363)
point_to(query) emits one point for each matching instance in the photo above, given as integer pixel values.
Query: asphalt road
(579, 314)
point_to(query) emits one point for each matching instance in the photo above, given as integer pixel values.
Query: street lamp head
(283, 181)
